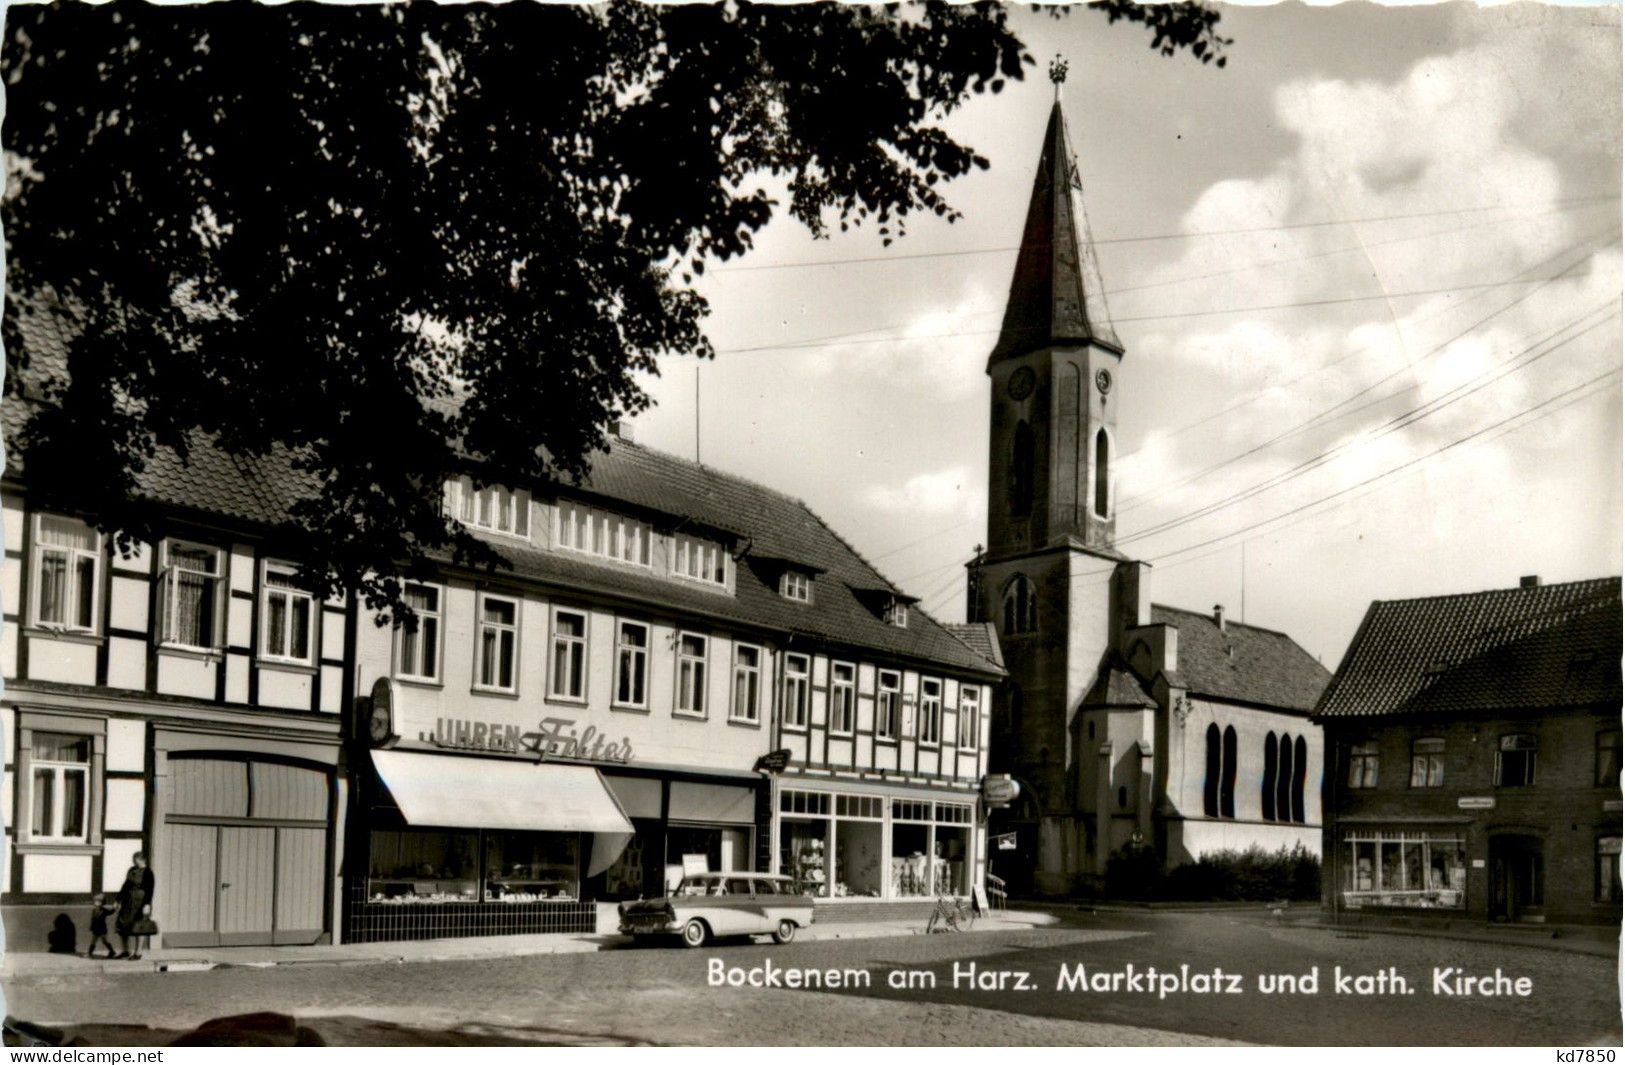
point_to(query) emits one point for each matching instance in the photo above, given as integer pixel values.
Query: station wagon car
(705, 905)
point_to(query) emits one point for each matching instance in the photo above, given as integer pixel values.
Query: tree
(392, 244)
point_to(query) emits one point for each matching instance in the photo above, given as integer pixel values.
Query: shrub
(1252, 875)
(1133, 872)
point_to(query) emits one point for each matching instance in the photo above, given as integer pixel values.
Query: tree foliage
(391, 244)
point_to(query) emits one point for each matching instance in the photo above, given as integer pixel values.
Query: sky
(1367, 276)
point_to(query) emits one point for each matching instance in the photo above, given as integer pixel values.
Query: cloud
(940, 492)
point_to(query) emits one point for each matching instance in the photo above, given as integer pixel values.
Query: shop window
(286, 618)
(1215, 766)
(1266, 795)
(532, 866)
(1227, 779)
(1515, 761)
(190, 587)
(60, 780)
(1418, 870)
(417, 641)
(842, 693)
(747, 693)
(691, 656)
(569, 664)
(492, 508)
(1020, 606)
(796, 585)
(910, 865)
(803, 838)
(1283, 780)
(498, 643)
(859, 860)
(1300, 773)
(417, 865)
(1427, 763)
(1363, 765)
(1607, 879)
(950, 851)
(970, 715)
(888, 696)
(796, 686)
(1608, 760)
(631, 664)
(67, 582)
(930, 712)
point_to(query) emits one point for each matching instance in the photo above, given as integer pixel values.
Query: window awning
(455, 791)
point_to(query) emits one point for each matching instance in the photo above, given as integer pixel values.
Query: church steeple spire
(1056, 296)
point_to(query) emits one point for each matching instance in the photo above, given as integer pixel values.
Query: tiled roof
(1243, 662)
(1116, 686)
(777, 525)
(982, 637)
(1512, 649)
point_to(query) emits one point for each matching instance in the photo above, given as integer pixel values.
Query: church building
(1122, 721)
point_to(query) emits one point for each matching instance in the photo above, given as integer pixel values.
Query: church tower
(1051, 580)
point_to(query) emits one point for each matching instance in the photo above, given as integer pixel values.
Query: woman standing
(135, 907)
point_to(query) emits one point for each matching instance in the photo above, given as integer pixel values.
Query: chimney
(1531, 581)
(621, 430)
(1218, 615)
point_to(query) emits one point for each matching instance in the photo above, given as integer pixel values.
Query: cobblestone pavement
(663, 995)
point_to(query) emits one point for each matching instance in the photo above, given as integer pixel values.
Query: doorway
(1517, 879)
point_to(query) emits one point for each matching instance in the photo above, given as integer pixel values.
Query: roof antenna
(1057, 74)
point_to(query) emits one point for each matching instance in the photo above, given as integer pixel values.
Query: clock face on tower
(1103, 381)
(1021, 383)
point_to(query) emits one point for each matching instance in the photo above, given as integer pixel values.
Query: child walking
(99, 909)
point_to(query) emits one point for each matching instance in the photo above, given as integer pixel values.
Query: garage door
(244, 853)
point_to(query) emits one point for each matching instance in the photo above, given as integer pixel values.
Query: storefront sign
(1476, 802)
(555, 738)
(999, 789)
(1006, 842)
(773, 761)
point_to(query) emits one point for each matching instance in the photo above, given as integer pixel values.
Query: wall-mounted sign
(1006, 842)
(381, 713)
(773, 761)
(1476, 802)
(999, 789)
(556, 737)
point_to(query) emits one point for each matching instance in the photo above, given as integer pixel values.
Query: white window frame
(436, 619)
(560, 640)
(497, 628)
(750, 714)
(587, 530)
(295, 597)
(930, 713)
(797, 692)
(717, 560)
(692, 665)
(970, 716)
(843, 697)
(169, 576)
(60, 771)
(894, 717)
(492, 509)
(897, 613)
(72, 557)
(796, 586)
(639, 656)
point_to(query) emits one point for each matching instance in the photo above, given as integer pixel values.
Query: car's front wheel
(785, 932)
(695, 933)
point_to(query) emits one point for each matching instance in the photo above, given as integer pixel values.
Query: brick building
(1473, 756)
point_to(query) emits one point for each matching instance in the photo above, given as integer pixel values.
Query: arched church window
(1266, 794)
(1021, 470)
(1020, 605)
(1283, 781)
(1103, 488)
(1300, 769)
(1210, 784)
(1227, 781)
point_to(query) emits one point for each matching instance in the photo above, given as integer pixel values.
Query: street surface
(664, 995)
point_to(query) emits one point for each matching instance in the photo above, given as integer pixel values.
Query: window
(843, 696)
(286, 620)
(1266, 795)
(1608, 762)
(970, 715)
(1227, 780)
(700, 560)
(1103, 494)
(888, 695)
(1413, 869)
(1607, 879)
(1300, 772)
(1020, 606)
(691, 655)
(1283, 780)
(631, 663)
(930, 712)
(897, 613)
(67, 555)
(797, 586)
(1427, 763)
(1363, 765)
(1515, 761)
(597, 532)
(61, 787)
(747, 683)
(498, 643)
(189, 598)
(795, 691)
(1215, 767)
(1021, 470)
(418, 642)
(492, 508)
(569, 666)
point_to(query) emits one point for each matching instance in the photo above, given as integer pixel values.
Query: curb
(1591, 948)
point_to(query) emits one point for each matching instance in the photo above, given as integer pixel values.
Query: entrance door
(1517, 879)
(247, 880)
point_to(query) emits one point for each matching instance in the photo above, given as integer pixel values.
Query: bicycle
(951, 915)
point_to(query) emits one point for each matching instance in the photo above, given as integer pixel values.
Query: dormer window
(796, 585)
(897, 613)
(492, 508)
(699, 560)
(596, 532)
